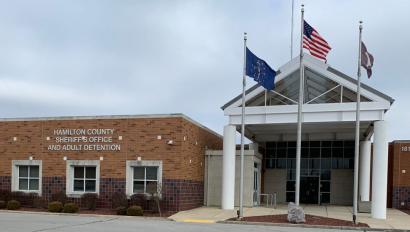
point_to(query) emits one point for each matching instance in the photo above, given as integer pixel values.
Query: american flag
(312, 41)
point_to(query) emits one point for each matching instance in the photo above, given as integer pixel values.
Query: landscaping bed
(310, 220)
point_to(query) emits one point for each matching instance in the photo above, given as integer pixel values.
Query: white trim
(70, 176)
(318, 67)
(130, 164)
(15, 175)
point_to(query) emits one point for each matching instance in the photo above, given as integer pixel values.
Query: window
(145, 180)
(143, 176)
(83, 176)
(28, 178)
(85, 179)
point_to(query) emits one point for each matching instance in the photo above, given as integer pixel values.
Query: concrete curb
(310, 226)
(85, 215)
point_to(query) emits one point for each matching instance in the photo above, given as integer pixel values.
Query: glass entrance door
(309, 189)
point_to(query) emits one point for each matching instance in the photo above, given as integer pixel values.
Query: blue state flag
(260, 71)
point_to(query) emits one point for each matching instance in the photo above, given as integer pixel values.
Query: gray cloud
(136, 57)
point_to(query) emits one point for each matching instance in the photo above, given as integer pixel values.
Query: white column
(228, 168)
(364, 170)
(379, 174)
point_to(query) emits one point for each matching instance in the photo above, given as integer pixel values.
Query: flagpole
(357, 134)
(300, 103)
(242, 128)
(291, 31)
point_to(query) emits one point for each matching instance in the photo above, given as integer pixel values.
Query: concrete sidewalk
(395, 218)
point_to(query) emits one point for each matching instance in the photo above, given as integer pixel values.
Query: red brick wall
(183, 160)
(401, 181)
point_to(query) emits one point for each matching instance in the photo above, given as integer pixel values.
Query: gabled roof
(316, 65)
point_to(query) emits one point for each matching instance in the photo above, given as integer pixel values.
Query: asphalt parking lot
(36, 222)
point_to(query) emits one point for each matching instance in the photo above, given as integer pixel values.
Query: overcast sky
(100, 57)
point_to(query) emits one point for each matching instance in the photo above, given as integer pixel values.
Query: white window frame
(16, 178)
(129, 188)
(70, 176)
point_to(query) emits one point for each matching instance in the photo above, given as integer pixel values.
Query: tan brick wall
(139, 140)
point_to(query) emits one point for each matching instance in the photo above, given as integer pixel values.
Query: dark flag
(260, 71)
(367, 60)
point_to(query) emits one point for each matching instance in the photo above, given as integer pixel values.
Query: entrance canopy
(329, 110)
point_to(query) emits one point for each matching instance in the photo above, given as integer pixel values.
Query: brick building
(107, 154)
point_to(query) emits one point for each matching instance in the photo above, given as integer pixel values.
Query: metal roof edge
(366, 87)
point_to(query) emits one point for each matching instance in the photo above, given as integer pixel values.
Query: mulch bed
(310, 220)
(98, 211)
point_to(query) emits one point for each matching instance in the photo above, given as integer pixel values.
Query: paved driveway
(35, 222)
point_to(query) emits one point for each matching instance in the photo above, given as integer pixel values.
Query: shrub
(70, 208)
(135, 210)
(137, 199)
(13, 205)
(89, 200)
(3, 205)
(119, 199)
(40, 203)
(28, 199)
(4, 195)
(55, 207)
(59, 196)
(121, 210)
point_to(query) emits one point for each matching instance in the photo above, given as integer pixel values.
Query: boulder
(295, 213)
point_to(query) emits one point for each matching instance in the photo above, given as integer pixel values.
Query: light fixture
(48, 138)
(30, 157)
(65, 158)
(139, 158)
(14, 138)
(159, 137)
(170, 142)
(101, 158)
(120, 137)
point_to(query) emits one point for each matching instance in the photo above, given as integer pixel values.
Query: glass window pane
(282, 144)
(314, 152)
(90, 172)
(78, 172)
(349, 152)
(152, 173)
(326, 143)
(314, 164)
(304, 163)
(291, 163)
(325, 175)
(290, 197)
(292, 152)
(337, 144)
(326, 152)
(325, 198)
(34, 184)
(291, 175)
(90, 186)
(325, 163)
(281, 152)
(23, 171)
(151, 187)
(325, 186)
(79, 185)
(305, 152)
(139, 173)
(34, 171)
(290, 186)
(337, 152)
(138, 186)
(314, 143)
(23, 184)
(291, 144)
(281, 163)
